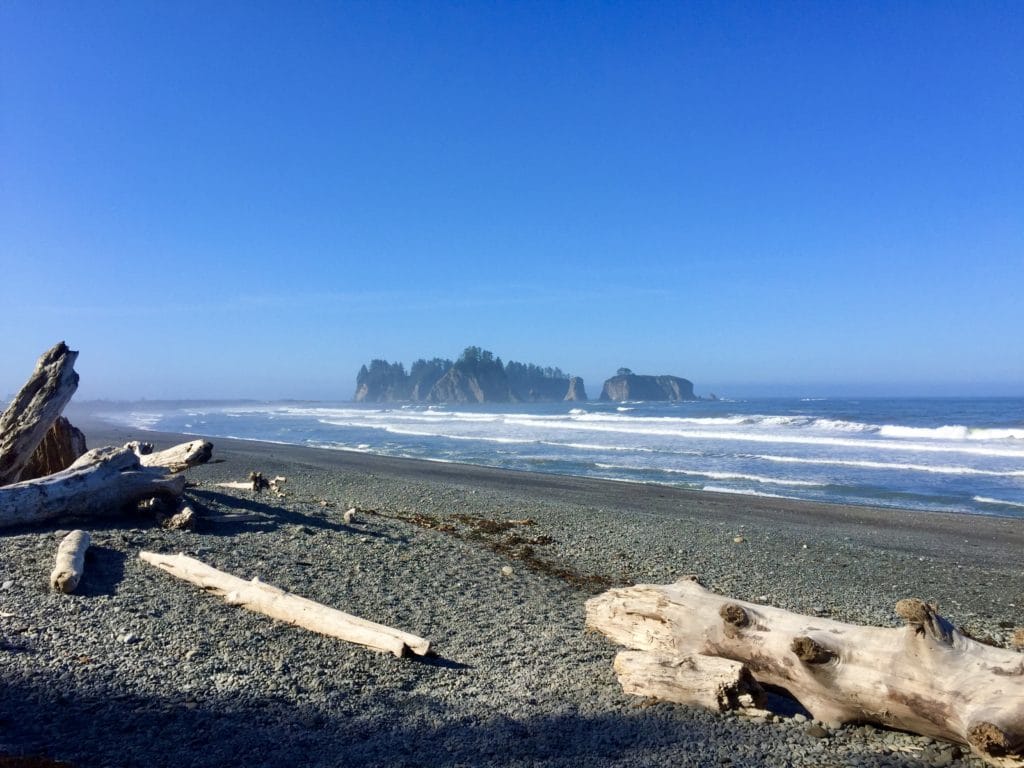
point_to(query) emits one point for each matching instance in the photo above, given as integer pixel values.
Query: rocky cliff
(632, 386)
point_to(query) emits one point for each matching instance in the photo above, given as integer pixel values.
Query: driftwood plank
(262, 598)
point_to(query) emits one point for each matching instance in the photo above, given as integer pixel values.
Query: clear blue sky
(250, 199)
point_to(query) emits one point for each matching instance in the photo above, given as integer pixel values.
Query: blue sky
(252, 199)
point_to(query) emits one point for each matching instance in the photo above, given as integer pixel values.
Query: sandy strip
(135, 667)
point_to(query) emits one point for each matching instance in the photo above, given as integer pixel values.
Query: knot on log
(989, 739)
(259, 482)
(925, 619)
(735, 618)
(810, 651)
(140, 449)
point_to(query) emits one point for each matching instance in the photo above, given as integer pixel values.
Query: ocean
(950, 455)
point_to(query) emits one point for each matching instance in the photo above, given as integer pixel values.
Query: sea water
(954, 455)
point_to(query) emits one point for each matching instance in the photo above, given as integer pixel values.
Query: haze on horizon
(251, 201)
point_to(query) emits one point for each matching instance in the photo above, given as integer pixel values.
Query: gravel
(137, 668)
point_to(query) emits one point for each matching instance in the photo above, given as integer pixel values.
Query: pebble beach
(493, 567)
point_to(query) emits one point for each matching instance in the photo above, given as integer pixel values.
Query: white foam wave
(892, 466)
(741, 491)
(145, 420)
(838, 425)
(1001, 502)
(657, 430)
(952, 432)
(714, 475)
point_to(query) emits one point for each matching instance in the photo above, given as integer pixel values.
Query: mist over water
(955, 455)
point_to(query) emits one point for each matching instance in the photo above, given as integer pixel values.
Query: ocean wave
(1001, 502)
(741, 491)
(952, 432)
(654, 430)
(892, 466)
(145, 420)
(711, 475)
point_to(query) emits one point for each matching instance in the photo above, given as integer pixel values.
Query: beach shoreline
(517, 680)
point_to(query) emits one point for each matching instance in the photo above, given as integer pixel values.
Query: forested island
(476, 377)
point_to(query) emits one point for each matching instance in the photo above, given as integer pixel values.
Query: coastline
(517, 681)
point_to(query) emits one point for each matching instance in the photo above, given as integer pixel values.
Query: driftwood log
(102, 482)
(34, 410)
(925, 677)
(176, 459)
(70, 561)
(262, 598)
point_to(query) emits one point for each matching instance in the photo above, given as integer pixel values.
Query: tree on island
(497, 381)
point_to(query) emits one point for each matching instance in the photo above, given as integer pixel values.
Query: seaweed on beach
(488, 531)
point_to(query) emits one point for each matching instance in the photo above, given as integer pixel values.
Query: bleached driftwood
(697, 680)
(262, 598)
(101, 482)
(925, 677)
(60, 448)
(176, 459)
(182, 520)
(34, 410)
(257, 483)
(70, 561)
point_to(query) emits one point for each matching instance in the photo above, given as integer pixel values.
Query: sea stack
(632, 386)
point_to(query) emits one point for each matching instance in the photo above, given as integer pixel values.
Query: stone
(816, 731)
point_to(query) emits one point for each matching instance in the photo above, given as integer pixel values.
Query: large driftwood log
(70, 561)
(34, 410)
(101, 482)
(925, 677)
(276, 603)
(176, 459)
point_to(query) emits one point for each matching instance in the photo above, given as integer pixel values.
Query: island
(478, 376)
(626, 385)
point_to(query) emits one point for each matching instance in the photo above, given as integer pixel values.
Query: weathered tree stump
(925, 677)
(60, 448)
(34, 410)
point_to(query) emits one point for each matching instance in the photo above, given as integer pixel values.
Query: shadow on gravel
(388, 728)
(104, 570)
(214, 503)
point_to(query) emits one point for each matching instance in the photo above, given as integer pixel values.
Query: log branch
(925, 677)
(176, 459)
(262, 598)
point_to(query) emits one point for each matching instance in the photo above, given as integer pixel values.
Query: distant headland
(478, 376)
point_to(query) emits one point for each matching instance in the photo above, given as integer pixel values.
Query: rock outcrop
(577, 391)
(632, 386)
